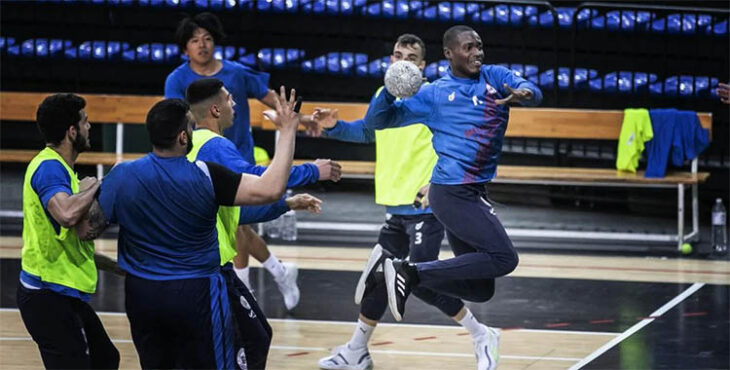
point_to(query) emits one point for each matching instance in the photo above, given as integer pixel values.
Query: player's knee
(510, 262)
(484, 292)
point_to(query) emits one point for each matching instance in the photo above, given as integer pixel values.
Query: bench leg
(695, 212)
(680, 216)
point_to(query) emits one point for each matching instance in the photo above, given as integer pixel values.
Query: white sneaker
(486, 347)
(345, 358)
(288, 286)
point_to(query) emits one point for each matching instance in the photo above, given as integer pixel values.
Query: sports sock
(470, 323)
(361, 336)
(275, 267)
(243, 275)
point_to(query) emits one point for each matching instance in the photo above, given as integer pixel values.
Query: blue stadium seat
(35, 48)
(485, 16)
(377, 67)
(403, 7)
(247, 59)
(501, 14)
(172, 52)
(384, 9)
(546, 79)
(85, 50)
(581, 76)
(565, 17)
(224, 52)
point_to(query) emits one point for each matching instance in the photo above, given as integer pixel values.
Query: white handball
(403, 79)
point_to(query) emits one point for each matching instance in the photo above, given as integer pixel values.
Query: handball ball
(403, 79)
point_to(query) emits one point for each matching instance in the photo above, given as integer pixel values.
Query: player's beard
(81, 144)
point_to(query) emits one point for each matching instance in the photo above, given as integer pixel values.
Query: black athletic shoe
(372, 273)
(400, 277)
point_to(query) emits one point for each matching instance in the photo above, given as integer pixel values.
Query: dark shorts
(68, 332)
(185, 323)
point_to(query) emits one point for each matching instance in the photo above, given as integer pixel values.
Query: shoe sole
(493, 343)
(390, 285)
(370, 266)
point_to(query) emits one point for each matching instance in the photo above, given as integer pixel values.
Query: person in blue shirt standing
(197, 38)
(213, 107)
(166, 207)
(467, 112)
(403, 164)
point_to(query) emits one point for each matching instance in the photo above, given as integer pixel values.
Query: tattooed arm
(93, 224)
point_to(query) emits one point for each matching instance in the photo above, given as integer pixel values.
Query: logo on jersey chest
(491, 90)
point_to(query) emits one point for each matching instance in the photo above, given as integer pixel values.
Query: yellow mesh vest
(227, 218)
(404, 160)
(60, 258)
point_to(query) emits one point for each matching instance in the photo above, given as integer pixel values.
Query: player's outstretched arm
(329, 124)
(385, 111)
(271, 185)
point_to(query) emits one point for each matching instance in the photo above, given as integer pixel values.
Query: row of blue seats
(515, 15)
(358, 64)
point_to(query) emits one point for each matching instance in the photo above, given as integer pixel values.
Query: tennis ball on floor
(403, 79)
(686, 248)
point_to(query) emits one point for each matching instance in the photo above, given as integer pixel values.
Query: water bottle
(719, 228)
(289, 223)
(273, 228)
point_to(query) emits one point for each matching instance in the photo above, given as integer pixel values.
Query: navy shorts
(184, 323)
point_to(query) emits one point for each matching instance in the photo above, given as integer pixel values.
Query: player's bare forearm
(93, 224)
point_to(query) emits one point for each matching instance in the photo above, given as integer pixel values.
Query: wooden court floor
(298, 344)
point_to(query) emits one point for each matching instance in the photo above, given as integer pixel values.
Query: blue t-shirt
(222, 151)
(242, 82)
(49, 179)
(166, 210)
(468, 126)
(678, 136)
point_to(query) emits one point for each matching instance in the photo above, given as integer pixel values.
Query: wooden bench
(524, 123)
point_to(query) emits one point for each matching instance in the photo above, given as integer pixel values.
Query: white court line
(422, 326)
(663, 309)
(432, 354)
(453, 327)
(25, 339)
(387, 352)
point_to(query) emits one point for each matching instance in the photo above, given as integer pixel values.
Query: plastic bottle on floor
(273, 228)
(289, 223)
(719, 228)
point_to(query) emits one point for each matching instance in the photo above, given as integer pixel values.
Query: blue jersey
(242, 82)
(49, 179)
(678, 136)
(222, 151)
(166, 210)
(467, 125)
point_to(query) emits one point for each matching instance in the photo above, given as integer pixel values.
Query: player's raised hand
(284, 117)
(515, 95)
(325, 118)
